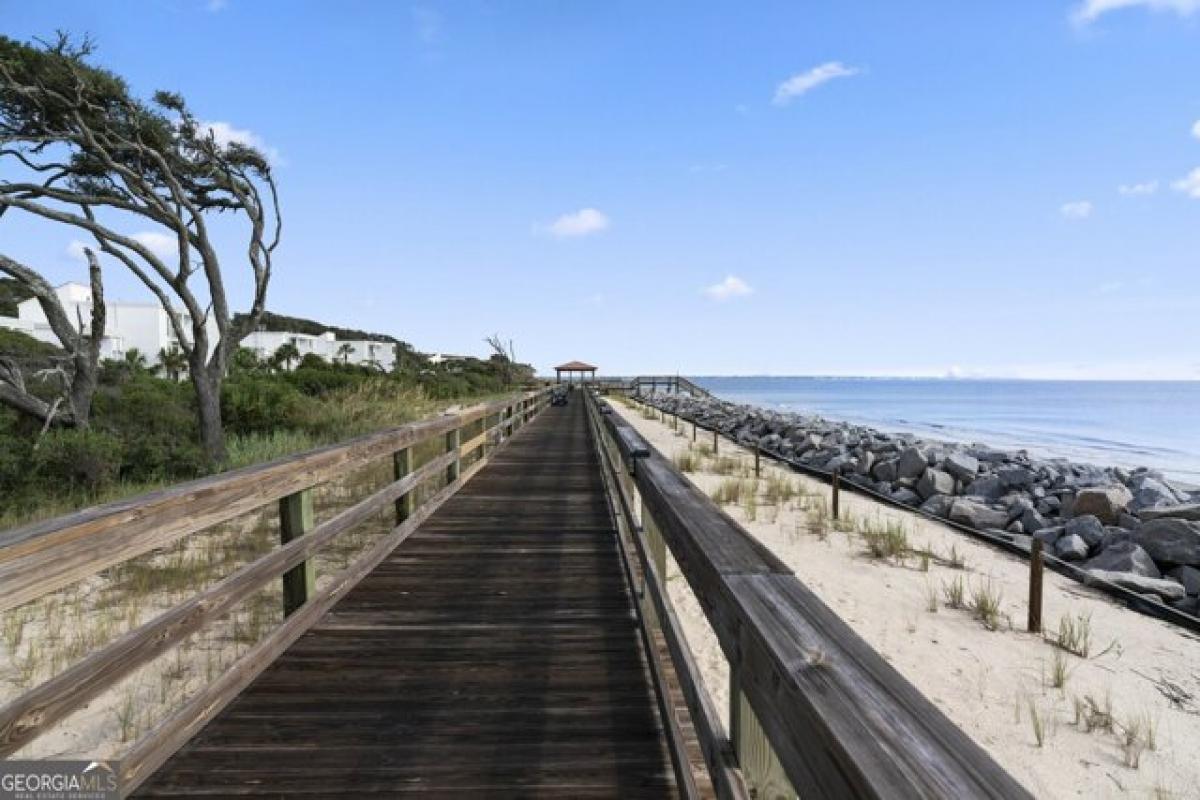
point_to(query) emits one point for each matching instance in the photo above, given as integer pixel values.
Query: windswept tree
(345, 351)
(78, 371)
(97, 159)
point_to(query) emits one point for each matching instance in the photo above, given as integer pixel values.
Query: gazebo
(572, 367)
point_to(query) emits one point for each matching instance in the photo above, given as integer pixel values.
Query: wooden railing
(814, 710)
(44, 557)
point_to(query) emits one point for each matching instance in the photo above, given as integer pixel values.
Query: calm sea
(1119, 423)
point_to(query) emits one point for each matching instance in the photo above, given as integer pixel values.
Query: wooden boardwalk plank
(493, 654)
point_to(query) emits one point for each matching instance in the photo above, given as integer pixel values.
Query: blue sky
(708, 188)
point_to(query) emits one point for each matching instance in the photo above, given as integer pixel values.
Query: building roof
(575, 366)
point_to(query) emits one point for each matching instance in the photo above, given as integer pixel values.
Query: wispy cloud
(1110, 287)
(1076, 209)
(226, 133)
(1196, 129)
(803, 82)
(216, 5)
(163, 245)
(732, 286)
(1136, 189)
(428, 24)
(1189, 184)
(584, 222)
(1091, 10)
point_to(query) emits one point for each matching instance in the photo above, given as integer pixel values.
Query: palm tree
(173, 362)
(286, 354)
(345, 351)
(135, 362)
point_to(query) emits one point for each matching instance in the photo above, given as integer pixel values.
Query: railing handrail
(43, 556)
(841, 720)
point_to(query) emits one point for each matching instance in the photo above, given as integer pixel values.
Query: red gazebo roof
(575, 366)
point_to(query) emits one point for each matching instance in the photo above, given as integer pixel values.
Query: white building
(145, 326)
(326, 345)
(127, 326)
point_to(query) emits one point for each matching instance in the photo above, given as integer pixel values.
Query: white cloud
(1110, 287)
(1091, 10)
(583, 222)
(225, 134)
(1196, 129)
(803, 82)
(162, 245)
(732, 286)
(216, 5)
(1134, 189)
(1076, 209)
(1189, 185)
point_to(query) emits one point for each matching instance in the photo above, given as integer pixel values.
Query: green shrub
(260, 404)
(89, 460)
(321, 381)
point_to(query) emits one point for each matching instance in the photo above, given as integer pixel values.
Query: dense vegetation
(144, 430)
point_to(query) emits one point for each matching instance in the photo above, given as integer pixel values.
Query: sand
(995, 684)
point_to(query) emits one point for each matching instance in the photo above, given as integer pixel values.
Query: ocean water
(1110, 423)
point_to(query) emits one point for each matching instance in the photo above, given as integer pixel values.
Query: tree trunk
(83, 387)
(208, 400)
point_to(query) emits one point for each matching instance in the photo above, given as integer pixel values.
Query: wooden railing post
(757, 461)
(761, 769)
(716, 442)
(1035, 586)
(453, 439)
(402, 462)
(295, 520)
(836, 492)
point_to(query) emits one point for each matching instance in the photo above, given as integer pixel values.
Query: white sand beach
(1125, 721)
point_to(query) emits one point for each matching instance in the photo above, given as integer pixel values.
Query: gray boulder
(1087, 528)
(934, 481)
(1048, 536)
(1166, 589)
(938, 505)
(911, 464)
(1189, 577)
(1151, 489)
(1188, 511)
(1071, 547)
(988, 486)
(906, 496)
(885, 471)
(977, 515)
(1032, 521)
(1171, 541)
(1015, 477)
(961, 466)
(1125, 557)
(1104, 502)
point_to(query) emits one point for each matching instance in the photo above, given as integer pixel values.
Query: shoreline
(1128, 424)
(1134, 528)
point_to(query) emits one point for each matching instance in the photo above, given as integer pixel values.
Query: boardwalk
(494, 653)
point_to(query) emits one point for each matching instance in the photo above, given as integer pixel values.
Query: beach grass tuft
(1075, 634)
(985, 604)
